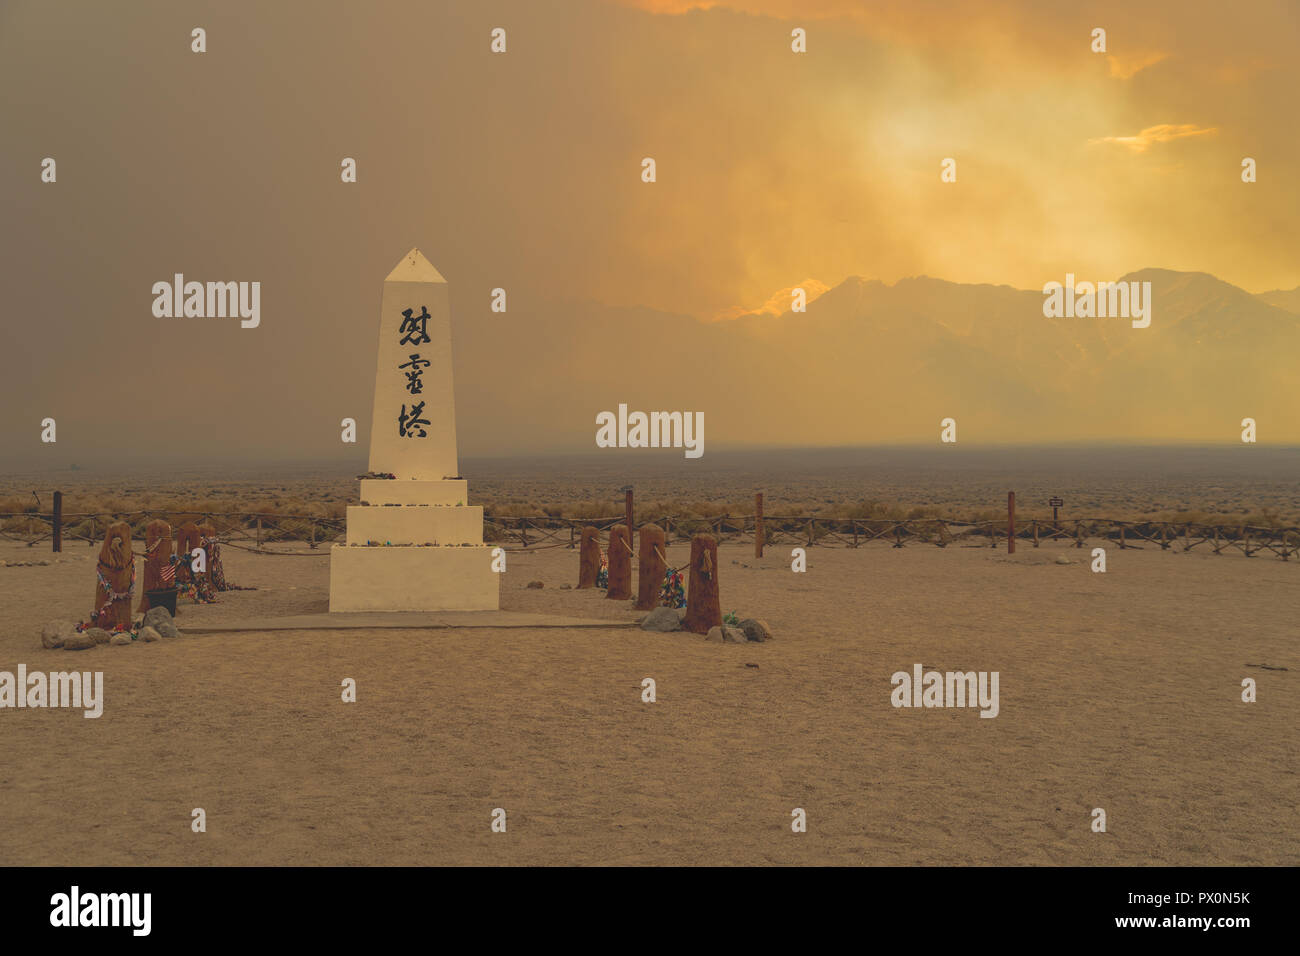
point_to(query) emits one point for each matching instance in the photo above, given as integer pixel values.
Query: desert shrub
(596, 509)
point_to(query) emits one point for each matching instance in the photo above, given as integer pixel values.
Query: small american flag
(168, 574)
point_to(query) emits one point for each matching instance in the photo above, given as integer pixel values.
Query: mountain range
(870, 362)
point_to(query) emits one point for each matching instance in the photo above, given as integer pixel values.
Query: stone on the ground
(168, 630)
(662, 619)
(755, 629)
(54, 633)
(78, 641)
(157, 615)
(566, 587)
(536, 584)
(121, 639)
(96, 634)
(1062, 559)
(149, 634)
(723, 634)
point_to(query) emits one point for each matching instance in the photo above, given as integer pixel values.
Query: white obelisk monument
(414, 543)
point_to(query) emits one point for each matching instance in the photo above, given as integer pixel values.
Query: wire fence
(268, 533)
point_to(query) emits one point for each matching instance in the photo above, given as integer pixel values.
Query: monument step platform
(410, 620)
(407, 491)
(411, 524)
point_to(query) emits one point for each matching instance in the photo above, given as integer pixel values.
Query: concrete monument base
(413, 579)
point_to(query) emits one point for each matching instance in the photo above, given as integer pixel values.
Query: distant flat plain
(1238, 481)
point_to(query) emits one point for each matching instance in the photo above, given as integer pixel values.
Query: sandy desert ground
(1118, 690)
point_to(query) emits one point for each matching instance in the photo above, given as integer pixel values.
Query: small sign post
(1055, 503)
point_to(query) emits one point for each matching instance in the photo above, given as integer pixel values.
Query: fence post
(259, 532)
(1011, 522)
(758, 525)
(58, 522)
(627, 509)
(313, 533)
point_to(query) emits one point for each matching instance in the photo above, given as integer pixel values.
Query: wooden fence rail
(256, 530)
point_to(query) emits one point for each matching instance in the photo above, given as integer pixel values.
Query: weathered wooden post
(58, 522)
(1122, 545)
(652, 564)
(620, 564)
(259, 532)
(588, 557)
(114, 579)
(703, 608)
(1011, 522)
(157, 556)
(758, 525)
(1035, 523)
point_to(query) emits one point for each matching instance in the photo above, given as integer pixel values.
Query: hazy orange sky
(1068, 160)
(523, 170)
